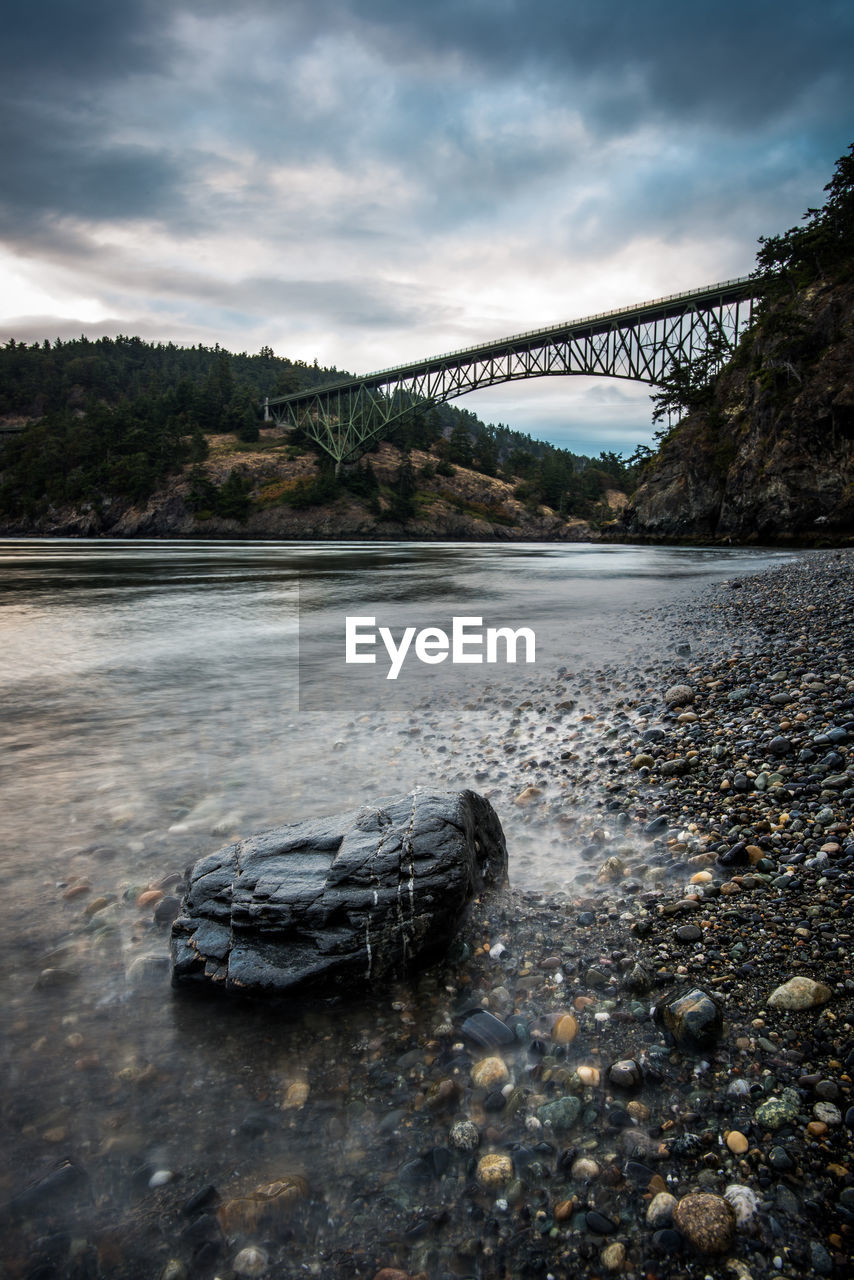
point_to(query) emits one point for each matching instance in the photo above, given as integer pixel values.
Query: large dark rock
(341, 903)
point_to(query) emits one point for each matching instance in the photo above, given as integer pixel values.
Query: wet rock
(464, 1136)
(150, 970)
(688, 933)
(338, 903)
(560, 1114)
(625, 1074)
(167, 910)
(659, 1211)
(202, 1199)
(694, 1019)
(667, 1240)
(251, 1261)
(799, 993)
(820, 1260)
(588, 1075)
(611, 871)
(489, 1072)
(678, 695)
(706, 1221)
(827, 1113)
(65, 1184)
(56, 979)
(494, 1171)
(486, 1030)
(174, 1270)
(600, 1223)
(565, 1029)
(613, 1256)
(773, 1113)
(743, 1201)
(265, 1207)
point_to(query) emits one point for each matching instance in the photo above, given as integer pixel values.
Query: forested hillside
(87, 424)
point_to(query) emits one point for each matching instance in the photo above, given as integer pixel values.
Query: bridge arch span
(637, 343)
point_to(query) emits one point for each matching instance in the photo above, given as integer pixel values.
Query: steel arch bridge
(639, 343)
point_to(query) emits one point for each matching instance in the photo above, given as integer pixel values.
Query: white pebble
(251, 1261)
(160, 1178)
(743, 1200)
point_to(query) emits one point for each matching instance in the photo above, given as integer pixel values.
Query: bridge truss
(640, 343)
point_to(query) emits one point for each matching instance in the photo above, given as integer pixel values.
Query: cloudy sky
(364, 182)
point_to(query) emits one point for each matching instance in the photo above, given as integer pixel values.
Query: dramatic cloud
(368, 181)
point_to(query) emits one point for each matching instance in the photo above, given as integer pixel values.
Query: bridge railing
(690, 295)
(573, 324)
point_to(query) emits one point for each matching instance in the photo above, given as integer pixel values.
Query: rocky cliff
(772, 458)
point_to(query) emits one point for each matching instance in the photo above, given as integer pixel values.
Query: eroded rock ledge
(341, 903)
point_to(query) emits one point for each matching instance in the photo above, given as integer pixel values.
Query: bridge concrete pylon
(639, 343)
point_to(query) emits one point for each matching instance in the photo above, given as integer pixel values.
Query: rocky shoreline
(520, 1109)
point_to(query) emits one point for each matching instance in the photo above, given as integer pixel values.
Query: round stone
(464, 1136)
(827, 1113)
(737, 1142)
(296, 1096)
(614, 1256)
(678, 695)
(560, 1114)
(773, 1113)
(565, 1029)
(494, 1171)
(799, 993)
(585, 1169)
(706, 1221)
(625, 1074)
(488, 1073)
(588, 1075)
(251, 1261)
(689, 933)
(701, 877)
(659, 1211)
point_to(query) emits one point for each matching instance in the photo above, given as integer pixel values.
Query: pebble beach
(641, 1070)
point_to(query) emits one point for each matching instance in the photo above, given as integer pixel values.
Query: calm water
(157, 696)
(159, 699)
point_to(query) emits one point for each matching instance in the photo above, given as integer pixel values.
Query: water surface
(160, 699)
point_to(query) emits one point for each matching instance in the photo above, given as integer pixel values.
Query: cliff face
(772, 459)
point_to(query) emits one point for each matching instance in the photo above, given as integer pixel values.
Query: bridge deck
(741, 288)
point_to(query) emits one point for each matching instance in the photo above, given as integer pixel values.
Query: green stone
(560, 1114)
(775, 1112)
